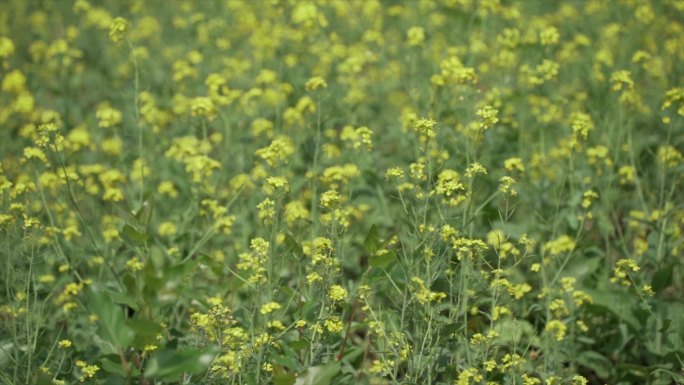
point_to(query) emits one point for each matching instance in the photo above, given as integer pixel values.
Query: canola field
(341, 192)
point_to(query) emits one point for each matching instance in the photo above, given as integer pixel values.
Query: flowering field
(341, 192)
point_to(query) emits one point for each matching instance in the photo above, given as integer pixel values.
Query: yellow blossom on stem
(117, 29)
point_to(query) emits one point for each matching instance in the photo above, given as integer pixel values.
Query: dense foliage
(341, 192)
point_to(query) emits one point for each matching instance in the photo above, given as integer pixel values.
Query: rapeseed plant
(443, 192)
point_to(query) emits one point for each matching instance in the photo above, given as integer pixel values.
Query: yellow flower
(559, 245)
(203, 106)
(488, 117)
(269, 308)
(276, 184)
(46, 278)
(278, 151)
(112, 146)
(150, 348)
(334, 324)
(134, 264)
(506, 186)
(87, 371)
(514, 164)
(582, 125)
(549, 36)
(426, 129)
(6, 47)
(415, 36)
(330, 199)
(167, 188)
(475, 168)
(295, 211)
(14, 82)
(588, 198)
(622, 269)
(108, 116)
(35, 153)
(167, 229)
(315, 83)
(64, 344)
(558, 329)
(669, 156)
(337, 293)
(627, 175)
(117, 29)
(424, 295)
(621, 79)
(394, 173)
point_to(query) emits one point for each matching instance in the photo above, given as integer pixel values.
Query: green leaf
(6, 355)
(284, 379)
(382, 261)
(662, 279)
(146, 331)
(115, 379)
(353, 353)
(123, 299)
(110, 366)
(582, 266)
(513, 331)
(144, 213)
(182, 270)
(372, 242)
(288, 357)
(133, 236)
(40, 379)
(319, 375)
(677, 378)
(617, 303)
(293, 245)
(170, 364)
(285, 361)
(115, 335)
(666, 326)
(114, 366)
(299, 345)
(596, 362)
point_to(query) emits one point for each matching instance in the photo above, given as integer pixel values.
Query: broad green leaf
(113, 365)
(146, 331)
(289, 357)
(115, 379)
(617, 303)
(662, 279)
(6, 349)
(353, 353)
(512, 332)
(299, 344)
(123, 299)
(285, 361)
(40, 378)
(284, 379)
(678, 378)
(581, 266)
(666, 326)
(319, 375)
(133, 236)
(372, 242)
(293, 246)
(111, 324)
(382, 261)
(144, 213)
(596, 362)
(170, 364)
